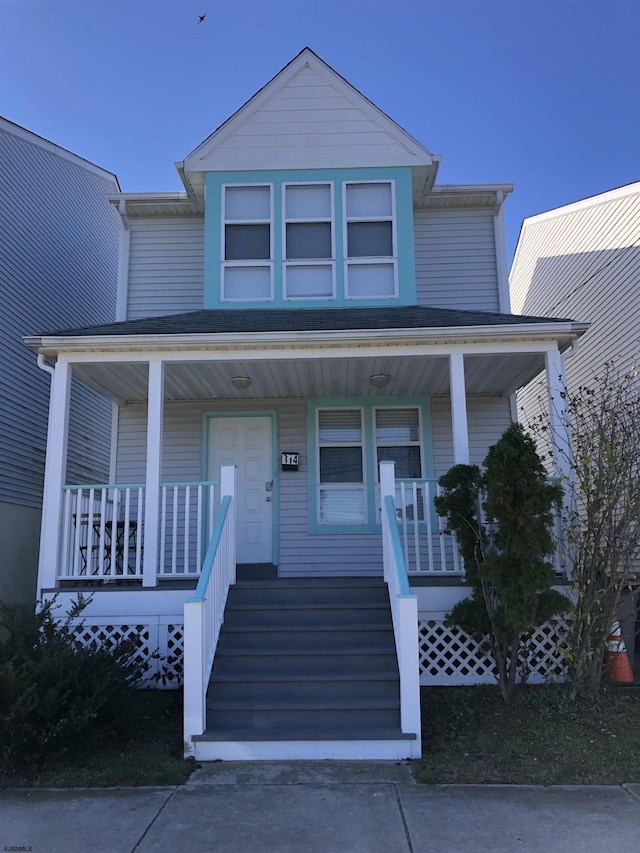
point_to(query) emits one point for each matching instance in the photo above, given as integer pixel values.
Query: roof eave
(562, 332)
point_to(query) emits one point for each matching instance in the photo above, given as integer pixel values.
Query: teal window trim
(367, 405)
(402, 223)
(207, 417)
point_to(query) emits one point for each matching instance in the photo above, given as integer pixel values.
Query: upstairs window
(371, 263)
(308, 249)
(247, 269)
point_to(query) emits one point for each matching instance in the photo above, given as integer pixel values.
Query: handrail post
(195, 711)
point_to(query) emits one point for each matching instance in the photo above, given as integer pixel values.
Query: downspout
(123, 263)
(44, 366)
(504, 299)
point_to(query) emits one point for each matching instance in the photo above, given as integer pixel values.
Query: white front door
(247, 444)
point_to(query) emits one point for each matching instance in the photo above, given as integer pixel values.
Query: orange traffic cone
(616, 658)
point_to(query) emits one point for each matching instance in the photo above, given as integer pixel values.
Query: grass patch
(542, 738)
(149, 752)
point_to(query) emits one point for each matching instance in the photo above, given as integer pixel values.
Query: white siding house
(308, 336)
(583, 260)
(58, 268)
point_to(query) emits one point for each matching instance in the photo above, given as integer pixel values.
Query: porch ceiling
(313, 377)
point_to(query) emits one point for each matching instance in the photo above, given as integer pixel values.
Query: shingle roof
(303, 319)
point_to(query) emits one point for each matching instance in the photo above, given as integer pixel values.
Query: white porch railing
(204, 613)
(426, 546)
(187, 514)
(103, 529)
(102, 532)
(404, 608)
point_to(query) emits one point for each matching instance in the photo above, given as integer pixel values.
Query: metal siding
(455, 257)
(166, 266)
(59, 241)
(584, 264)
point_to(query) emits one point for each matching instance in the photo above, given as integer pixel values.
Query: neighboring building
(59, 239)
(583, 260)
(311, 305)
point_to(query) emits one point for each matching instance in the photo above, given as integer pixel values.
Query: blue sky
(541, 93)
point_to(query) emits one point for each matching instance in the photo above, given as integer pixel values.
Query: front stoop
(305, 668)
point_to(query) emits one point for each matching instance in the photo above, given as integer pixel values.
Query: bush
(56, 693)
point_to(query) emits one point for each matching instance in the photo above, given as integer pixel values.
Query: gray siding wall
(166, 265)
(299, 552)
(456, 259)
(59, 240)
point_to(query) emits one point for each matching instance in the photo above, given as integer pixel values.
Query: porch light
(241, 382)
(379, 380)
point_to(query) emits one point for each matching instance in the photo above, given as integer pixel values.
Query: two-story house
(309, 336)
(59, 239)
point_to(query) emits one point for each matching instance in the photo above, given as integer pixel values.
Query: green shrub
(55, 692)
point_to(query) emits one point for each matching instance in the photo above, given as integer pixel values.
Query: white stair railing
(204, 612)
(404, 608)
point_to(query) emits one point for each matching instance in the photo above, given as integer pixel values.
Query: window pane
(370, 280)
(398, 426)
(340, 426)
(247, 203)
(247, 283)
(341, 465)
(365, 200)
(342, 506)
(310, 280)
(308, 202)
(407, 460)
(247, 242)
(308, 240)
(369, 240)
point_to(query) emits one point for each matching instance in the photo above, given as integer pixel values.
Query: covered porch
(153, 529)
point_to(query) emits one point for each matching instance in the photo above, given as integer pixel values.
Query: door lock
(268, 486)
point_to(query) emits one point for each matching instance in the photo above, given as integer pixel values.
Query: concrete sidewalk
(320, 807)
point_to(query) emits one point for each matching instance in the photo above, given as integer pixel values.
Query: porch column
(155, 413)
(458, 409)
(559, 425)
(55, 471)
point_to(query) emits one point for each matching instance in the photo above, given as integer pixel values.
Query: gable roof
(308, 116)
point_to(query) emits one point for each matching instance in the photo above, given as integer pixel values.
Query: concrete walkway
(320, 807)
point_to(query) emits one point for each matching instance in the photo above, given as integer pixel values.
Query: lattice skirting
(448, 656)
(159, 644)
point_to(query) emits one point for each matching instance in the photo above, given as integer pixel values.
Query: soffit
(313, 377)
